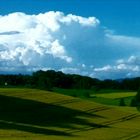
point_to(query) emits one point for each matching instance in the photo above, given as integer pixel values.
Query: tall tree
(138, 98)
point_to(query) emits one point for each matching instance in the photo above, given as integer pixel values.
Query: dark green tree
(136, 101)
(133, 102)
(122, 102)
(138, 97)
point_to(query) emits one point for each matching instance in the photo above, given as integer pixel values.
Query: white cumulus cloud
(123, 68)
(71, 43)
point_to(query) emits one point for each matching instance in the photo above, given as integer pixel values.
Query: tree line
(50, 79)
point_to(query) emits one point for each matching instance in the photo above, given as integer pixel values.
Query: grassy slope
(29, 114)
(116, 95)
(107, 97)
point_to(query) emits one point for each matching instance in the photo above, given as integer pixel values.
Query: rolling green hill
(30, 114)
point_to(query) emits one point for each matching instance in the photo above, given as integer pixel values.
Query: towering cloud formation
(69, 43)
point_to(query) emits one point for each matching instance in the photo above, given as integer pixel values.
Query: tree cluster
(136, 100)
(49, 79)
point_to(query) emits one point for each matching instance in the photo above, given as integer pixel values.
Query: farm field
(116, 95)
(114, 98)
(30, 114)
(107, 97)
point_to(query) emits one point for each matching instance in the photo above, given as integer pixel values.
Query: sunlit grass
(116, 95)
(71, 118)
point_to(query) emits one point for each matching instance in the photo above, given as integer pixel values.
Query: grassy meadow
(31, 114)
(108, 97)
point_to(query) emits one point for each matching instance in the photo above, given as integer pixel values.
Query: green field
(114, 98)
(116, 95)
(30, 114)
(107, 97)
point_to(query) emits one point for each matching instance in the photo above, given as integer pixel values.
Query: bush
(138, 98)
(86, 94)
(136, 101)
(133, 102)
(74, 95)
(122, 102)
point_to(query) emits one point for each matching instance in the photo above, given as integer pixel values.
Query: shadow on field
(37, 117)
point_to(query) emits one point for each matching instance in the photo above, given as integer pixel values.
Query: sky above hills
(98, 38)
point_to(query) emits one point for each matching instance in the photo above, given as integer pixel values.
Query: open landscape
(69, 70)
(32, 114)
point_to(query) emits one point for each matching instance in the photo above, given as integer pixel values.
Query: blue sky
(103, 46)
(113, 14)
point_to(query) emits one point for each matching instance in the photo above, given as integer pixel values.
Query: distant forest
(50, 79)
